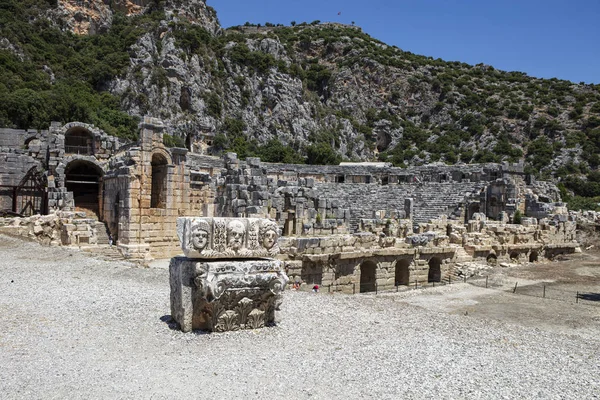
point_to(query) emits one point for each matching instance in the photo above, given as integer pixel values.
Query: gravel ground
(78, 327)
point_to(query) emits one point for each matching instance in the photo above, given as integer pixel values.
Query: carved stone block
(217, 238)
(225, 295)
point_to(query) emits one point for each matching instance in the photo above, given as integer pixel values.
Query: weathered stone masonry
(347, 225)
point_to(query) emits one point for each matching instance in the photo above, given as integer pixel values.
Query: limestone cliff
(330, 87)
(92, 17)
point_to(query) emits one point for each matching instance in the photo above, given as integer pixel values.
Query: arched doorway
(158, 196)
(473, 209)
(79, 140)
(402, 275)
(435, 270)
(491, 259)
(83, 178)
(312, 274)
(368, 276)
(533, 257)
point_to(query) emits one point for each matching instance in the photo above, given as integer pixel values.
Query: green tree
(276, 152)
(321, 154)
(26, 108)
(517, 217)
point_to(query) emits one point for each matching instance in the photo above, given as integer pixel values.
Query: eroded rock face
(95, 16)
(91, 17)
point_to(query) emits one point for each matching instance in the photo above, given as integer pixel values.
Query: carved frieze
(239, 238)
(225, 295)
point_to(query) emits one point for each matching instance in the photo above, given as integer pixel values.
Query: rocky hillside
(313, 92)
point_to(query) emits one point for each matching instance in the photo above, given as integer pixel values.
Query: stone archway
(435, 270)
(533, 256)
(368, 276)
(158, 194)
(79, 140)
(402, 273)
(473, 209)
(83, 178)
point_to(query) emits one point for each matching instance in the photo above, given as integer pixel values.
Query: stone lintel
(394, 251)
(437, 250)
(482, 248)
(318, 258)
(522, 246)
(562, 246)
(354, 254)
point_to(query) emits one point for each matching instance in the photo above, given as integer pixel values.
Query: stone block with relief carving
(227, 280)
(225, 295)
(239, 238)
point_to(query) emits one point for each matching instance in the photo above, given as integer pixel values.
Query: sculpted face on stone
(235, 234)
(222, 237)
(200, 235)
(269, 239)
(268, 235)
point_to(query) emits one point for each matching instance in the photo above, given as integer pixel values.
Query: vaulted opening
(402, 274)
(84, 178)
(312, 274)
(533, 257)
(492, 259)
(79, 140)
(158, 197)
(435, 270)
(473, 208)
(368, 276)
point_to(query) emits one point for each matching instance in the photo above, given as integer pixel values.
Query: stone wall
(143, 187)
(143, 226)
(384, 172)
(58, 228)
(370, 261)
(313, 200)
(14, 165)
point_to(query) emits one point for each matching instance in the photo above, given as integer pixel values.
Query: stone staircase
(102, 249)
(440, 199)
(104, 252)
(101, 233)
(431, 199)
(461, 255)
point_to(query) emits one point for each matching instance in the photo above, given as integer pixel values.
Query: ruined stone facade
(352, 224)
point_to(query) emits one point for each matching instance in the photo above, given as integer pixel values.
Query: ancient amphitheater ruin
(358, 226)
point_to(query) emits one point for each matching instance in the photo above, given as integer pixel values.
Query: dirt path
(559, 281)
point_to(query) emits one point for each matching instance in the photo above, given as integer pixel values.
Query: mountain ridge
(319, 93)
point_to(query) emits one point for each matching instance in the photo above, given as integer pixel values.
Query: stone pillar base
(135, 251)
(225, 295)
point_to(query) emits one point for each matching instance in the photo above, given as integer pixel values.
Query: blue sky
(543, 38)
